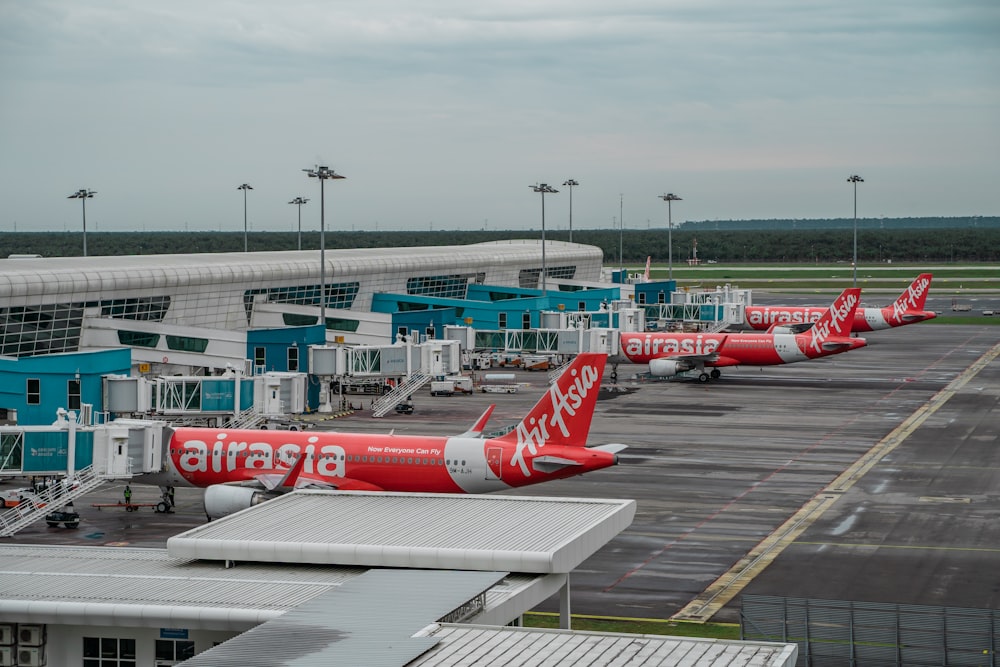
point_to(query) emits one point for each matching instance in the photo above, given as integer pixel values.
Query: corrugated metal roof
(146, 587)
(439, 531)
(375, 620)
(512, 647)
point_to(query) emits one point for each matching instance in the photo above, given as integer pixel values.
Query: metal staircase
(382, 406)
(33, 507)
(248, 419)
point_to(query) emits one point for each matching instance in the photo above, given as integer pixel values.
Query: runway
(753, 466)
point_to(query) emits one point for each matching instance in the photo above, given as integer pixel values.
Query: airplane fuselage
(761, 318)
(203, 457)
(717, 350)
(908, 308)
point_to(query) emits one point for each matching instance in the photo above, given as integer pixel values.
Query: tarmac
(872, 476)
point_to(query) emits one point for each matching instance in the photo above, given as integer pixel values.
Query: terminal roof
(413, 530)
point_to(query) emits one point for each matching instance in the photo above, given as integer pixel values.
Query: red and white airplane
(671, 353)
(240, 468)
(908, 308)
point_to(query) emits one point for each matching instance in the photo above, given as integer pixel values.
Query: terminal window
(108, 652)
(34, 391)
(174, 649)
(73, 394)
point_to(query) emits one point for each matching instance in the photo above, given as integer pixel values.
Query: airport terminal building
(66, 321)
(63, 304)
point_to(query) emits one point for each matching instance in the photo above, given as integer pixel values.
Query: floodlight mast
(570, 184)
(299, 201)
(543, 189)
(855, 179)
(83, 194)
(671, 197)
(244, 188)
(323, 174)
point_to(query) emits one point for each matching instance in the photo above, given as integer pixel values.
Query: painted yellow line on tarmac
(915, 547)
(729, 585)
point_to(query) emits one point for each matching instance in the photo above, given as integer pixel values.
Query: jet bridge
(75, 459)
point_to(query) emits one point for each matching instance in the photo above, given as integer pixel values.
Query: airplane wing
(282, 480)
(786, 327)
(686, 361)
(476, 431)
(342, 484)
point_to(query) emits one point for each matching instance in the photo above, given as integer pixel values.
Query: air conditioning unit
(6, 634)
(32, 656)
(7, 656)
(31, 635)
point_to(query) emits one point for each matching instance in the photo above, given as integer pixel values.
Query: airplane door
(494, 459)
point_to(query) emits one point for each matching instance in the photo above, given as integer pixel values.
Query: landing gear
(716, 373)
(713, 374)
(703, 377)
(614, 373)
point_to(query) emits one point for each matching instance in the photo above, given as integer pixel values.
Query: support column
(564, 606)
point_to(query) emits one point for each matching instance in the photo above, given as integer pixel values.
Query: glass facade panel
(138, 338)
(145, 309)
(31, 330)
(455, 286)
(186, 343)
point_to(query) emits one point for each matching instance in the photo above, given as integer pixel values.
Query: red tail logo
(562, 415)
(837, 319)
(914, 297)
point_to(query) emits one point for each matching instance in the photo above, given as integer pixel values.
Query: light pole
(670, 242)
(244, 188)
(543, 189)
(322, 173)
(299, 201)
(621, 237)
(83, 194)
(569, 184)
(855, 179)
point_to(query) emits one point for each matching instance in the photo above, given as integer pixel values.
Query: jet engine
(222, 499)
(668, 367)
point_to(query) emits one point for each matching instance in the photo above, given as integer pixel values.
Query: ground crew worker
(128, 494)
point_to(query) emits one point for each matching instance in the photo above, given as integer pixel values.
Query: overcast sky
(442, 113)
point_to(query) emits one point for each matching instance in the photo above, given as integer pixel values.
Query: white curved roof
(98, 274)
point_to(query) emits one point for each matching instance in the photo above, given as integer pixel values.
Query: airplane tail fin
(838, 319)
(914, 296)
(563, 414)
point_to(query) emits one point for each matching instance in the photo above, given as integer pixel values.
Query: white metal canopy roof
(412, 530)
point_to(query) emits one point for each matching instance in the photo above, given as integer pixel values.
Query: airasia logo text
(761, 317)
(912, 299)
(197, 456)
(564, 401)
(839, 312)
(653, 346)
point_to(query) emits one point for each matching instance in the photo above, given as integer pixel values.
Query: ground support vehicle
(66, 516)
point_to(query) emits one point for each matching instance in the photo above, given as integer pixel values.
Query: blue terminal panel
(47, 452)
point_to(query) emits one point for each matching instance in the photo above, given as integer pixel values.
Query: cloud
(447, 110)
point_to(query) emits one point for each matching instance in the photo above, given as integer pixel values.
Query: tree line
(961, 244)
